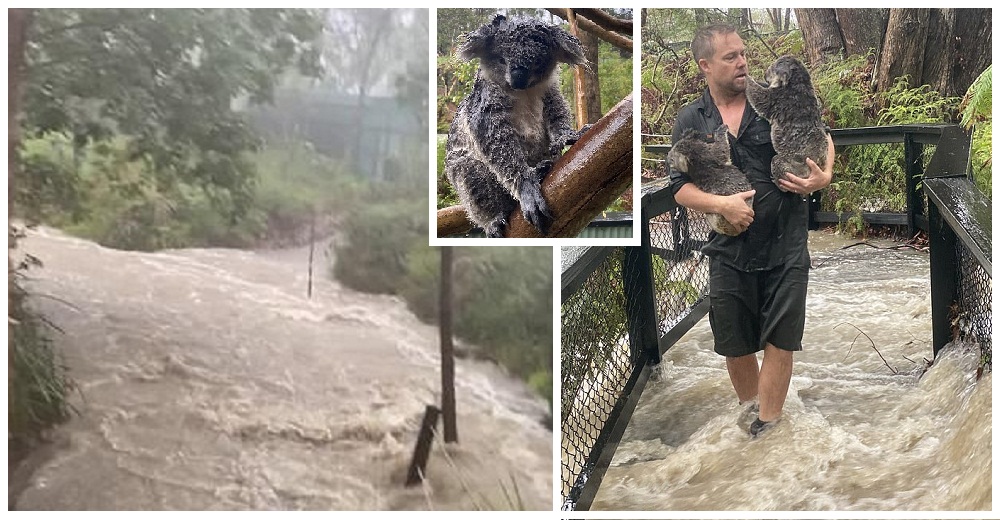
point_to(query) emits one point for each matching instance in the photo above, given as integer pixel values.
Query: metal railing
(622, 307)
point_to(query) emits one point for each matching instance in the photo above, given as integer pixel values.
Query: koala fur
(710, 168)
(786, 99)
(508, 132)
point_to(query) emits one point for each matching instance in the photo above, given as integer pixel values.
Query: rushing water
(209, 381)
(855, 433)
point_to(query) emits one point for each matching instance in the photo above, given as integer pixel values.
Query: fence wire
(972, 315)
(597, 355)
(596, 363)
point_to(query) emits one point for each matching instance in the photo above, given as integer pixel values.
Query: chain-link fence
(618, 306)
(972, 316)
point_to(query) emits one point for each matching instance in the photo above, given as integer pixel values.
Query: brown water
(854, 434)
(209, 381)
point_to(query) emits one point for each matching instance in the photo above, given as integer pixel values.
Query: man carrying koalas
(757, 279)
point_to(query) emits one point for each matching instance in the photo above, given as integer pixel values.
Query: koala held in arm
(508, 132)
(708, 164)
(787, 100)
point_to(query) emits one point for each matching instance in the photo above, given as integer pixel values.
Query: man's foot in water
(751, 409)
(758, 427)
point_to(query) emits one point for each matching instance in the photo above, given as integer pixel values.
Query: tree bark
(579, 74)
(591, 81)
(974, 37)
(941, 51)
(862, 29)
(447, 349)
(18, 21)
(821, 33)
(903, 48)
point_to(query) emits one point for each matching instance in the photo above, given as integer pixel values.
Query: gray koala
(707, 163)
(788, 102)
(508, 132)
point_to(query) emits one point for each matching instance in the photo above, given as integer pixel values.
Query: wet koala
(707, 163)
(787, 100)
(508, 132)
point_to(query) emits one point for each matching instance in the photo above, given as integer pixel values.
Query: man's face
(727, 68)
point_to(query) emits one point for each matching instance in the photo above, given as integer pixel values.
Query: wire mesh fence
(602, 319)
(595, 359)
(972, 314)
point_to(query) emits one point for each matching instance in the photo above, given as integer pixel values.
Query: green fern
(978, 102)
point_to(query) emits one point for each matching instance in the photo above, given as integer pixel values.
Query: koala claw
(536, 210)
(543, 168)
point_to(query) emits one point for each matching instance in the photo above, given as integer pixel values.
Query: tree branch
(582, 183)
(605, 20)
(586, 24)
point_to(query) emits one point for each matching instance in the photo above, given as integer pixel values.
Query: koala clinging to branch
(786, 99)
(508, 132)
(708, 164)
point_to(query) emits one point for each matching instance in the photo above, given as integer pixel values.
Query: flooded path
(855, 434)
(209, 381)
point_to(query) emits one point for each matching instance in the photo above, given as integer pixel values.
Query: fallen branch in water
(862, 333)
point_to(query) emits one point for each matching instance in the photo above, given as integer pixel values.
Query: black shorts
(752, 309)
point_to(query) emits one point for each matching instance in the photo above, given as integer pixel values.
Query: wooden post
(447, 350)
(312, 246)
(422, 451)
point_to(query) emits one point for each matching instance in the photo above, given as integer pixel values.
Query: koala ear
(476, 42)
(570, 50)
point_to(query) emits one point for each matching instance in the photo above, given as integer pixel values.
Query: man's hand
(734, 209)
(816, 180)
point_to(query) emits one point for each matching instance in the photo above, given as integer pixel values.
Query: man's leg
(743, 373)
(775, 375)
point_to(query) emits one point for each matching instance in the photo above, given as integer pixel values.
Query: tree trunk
(18, 21)
(447, 350)
(941, 55)
(579, 75)
(862, 29)
(591, 82)
(821, 33)
(903, 48)
(974, 37)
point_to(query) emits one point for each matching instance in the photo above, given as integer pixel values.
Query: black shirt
(779, 232)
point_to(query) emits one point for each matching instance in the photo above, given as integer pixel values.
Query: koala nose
(519, 77)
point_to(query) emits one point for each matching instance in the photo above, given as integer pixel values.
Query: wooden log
(582, 183)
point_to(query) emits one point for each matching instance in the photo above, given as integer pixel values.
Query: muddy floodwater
(857, 433)
(208, 380)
